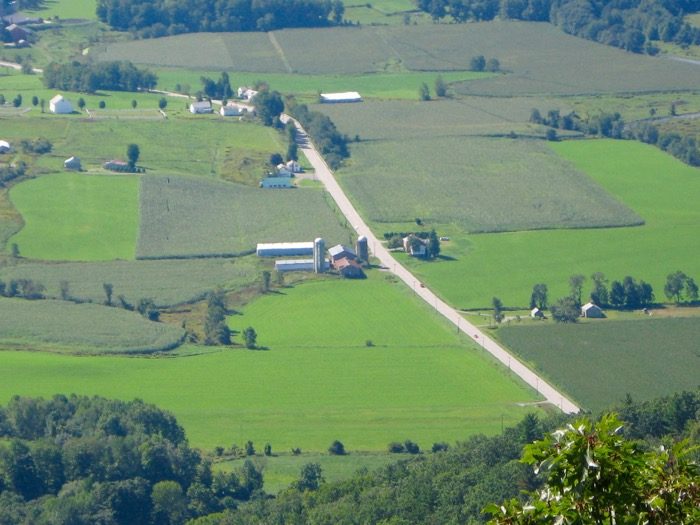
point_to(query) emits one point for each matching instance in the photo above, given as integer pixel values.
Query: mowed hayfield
(659, 188)
(192, 216)
(70, 216)
(479, 184)
(599, 362)
(428, 388)
(60, 326)
(401, 85)
(167, 282)
(66, 9)
(537, 57)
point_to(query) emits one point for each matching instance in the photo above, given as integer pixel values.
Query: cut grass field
(59, 326)
(599, 362)
(435, 388)
(537, 56)
(66, 9)
(659, 188)
(281, 471)
(399, 85)
(193, 216)
(77, 217)
(168, 282)
(479, 184)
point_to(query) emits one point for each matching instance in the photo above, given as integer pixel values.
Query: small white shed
(4, 146)
(60, 105)
(536, 313)
(592, 311)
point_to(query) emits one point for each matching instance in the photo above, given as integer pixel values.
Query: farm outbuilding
(116, 165)
(284, 249)
(4, 146)
(232, 110)
(536, 313)
(337, 98)
(72, 163)
(201, 107)
(349, 268)
(339, 251)
(276, 182)
(294, 265)
(246, 93)
(293, 166)
(592, 311)
(18, 33)
(60, 105)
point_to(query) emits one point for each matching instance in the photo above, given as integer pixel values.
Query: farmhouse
(246, 93)
(282, 171)
(536, 313)
(4, 146)
(116, 165)
(592, 311)
(294, 166)
(276, 182)
(284, 249)
(336, 98)
(198, 108)
(60, 105)
(415, 246)
(72, 163)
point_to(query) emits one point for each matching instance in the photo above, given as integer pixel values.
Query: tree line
(88, 78)
(158, 18)
(612, 125)
(632, 25)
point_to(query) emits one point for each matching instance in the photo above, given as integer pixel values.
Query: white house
(415, 246)
(293, 166)
(60, 105)
(336, 98)
(197, 108)
(4, 146)
(592, 311)
(72, 163)
(246, 93)
(233, 110)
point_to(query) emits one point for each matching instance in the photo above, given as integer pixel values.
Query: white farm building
(592, 311)
(198, 108)
(60, 105)
(4, 146)
(336, 98)
(284, 249)
(294, 265)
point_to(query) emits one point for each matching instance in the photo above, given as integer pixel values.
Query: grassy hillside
(67, 9)
(77, 217)
(58, 326)
(656, 186)
(433, 388)
(599, 363)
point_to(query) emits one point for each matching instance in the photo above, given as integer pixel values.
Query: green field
(478, 184)
(77, 217)
(598, 363)
(168, 282)
(437, 387)
(67, 9)
(659, 188)
(398, 85)
(281, 471)
(190, 216)
(536, 56)
(59, 326)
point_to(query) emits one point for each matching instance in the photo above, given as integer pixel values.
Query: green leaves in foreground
(594, 475)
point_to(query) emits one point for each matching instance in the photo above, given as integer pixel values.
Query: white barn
(72, 163)
(294, 265)
(336, 98)
(284, 249)
(60, 105)
(592, 311)
(197, 108)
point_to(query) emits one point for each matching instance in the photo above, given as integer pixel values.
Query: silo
(362, 249)
(319, 255)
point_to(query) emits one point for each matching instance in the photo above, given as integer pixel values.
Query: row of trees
(330, 142)
(632, 25)
(217, 89)
(161, 17)
(612, 125)
(88, 78)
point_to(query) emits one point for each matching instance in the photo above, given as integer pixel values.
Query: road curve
(325, 175)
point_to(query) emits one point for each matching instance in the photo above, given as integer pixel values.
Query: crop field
(59, 326)
(536, 57)
(383, 86)
(437, 387)
(190, 216)
(281, 471)
(598, 363)
(480, 184)
(659, 188)
(103, 226)
(169, 282)
(67, 9)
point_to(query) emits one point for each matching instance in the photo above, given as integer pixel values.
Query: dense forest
(630, 24)
(82, 460)
(154, 18)
(88, 78)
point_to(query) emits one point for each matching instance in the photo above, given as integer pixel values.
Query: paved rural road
(325, 175)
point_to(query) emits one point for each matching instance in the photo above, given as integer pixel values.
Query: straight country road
(325, 176)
